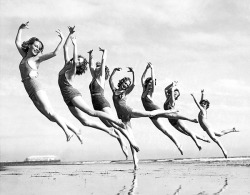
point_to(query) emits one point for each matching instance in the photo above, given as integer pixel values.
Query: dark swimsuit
(97, 96)
(124, 112)
(167, 106)
(67, 90)
(149, 105)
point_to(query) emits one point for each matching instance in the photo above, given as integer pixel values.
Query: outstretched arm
(131, 87)
(153, 78)
(202, 94)
(54, 53)
(111, 84)
(103, 64)
(143, 75)
(18, 40)
(72, 71)
(66, 44)
(91, 68)
(196, 102)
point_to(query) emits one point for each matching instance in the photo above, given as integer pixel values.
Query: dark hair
(107, 73)
(169, 92)
(123, 80)
(26, 44)
(82, 67)
(146, 82)
(206, 102)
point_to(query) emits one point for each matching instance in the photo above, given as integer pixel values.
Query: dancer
(147, 100)
(31, 52)
(172, 94)
(100, 73)
(124, 112)
(72, 97)
(202, 117)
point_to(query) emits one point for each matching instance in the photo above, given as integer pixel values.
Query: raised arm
(18, 40)
(111, 84)
(202, 94)
(153, 78)
(72, 71)
(131, 87)
(66, 44)
(55, 52)
(143, 75)
(91, 68)
(103, 64)
(196, 102)
(167, 89)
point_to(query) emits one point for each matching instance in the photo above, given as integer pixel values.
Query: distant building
(42, 158)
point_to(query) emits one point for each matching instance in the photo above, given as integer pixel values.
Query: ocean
(154, 177)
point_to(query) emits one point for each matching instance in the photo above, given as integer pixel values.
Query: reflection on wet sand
(219, 192)
(132, 188)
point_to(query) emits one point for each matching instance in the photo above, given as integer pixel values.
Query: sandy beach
(153, 177)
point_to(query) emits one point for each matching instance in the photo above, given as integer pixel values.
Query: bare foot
(79, 136)
(113, 133)
(235, 130)
(195, 121)
(225, 154)
(199, 147)
(69, 137)
(180, 149)
(136, 148)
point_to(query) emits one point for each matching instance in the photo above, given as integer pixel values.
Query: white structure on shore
(43, 158)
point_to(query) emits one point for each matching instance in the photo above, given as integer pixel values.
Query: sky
(201, 44)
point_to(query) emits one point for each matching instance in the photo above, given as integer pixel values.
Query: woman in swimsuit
(172, 94)
(124, 112)
(100, 74)
(31, 52)
(72, 97)
(147, 100)
(202, 117)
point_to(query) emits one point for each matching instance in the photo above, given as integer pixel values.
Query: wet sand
(179, 177)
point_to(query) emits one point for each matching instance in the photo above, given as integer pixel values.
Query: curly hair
(169, 92)
(125, 79)
(206, 102)
(82, 67)
(26, 44)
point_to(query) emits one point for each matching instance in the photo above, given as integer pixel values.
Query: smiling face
(125, 85)
(35, 48)
(176, 94)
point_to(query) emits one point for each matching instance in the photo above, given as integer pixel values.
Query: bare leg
(160, 125)
(143, 113)
(87, 122)
(182, 128)
(42, 103)
(135, 158)
(83, 106)
(224, 132)
(176, 115)
(212, 136)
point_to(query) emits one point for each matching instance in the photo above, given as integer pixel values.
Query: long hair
(26, 44)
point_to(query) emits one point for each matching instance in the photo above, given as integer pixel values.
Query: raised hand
(202, 91)
(90, 51)
(130, 69)
(60, 34)
(24, 25)
(71, 29)
(149, 65)
(117, 69)
(100, 49)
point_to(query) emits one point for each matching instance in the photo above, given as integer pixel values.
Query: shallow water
(112, 178)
